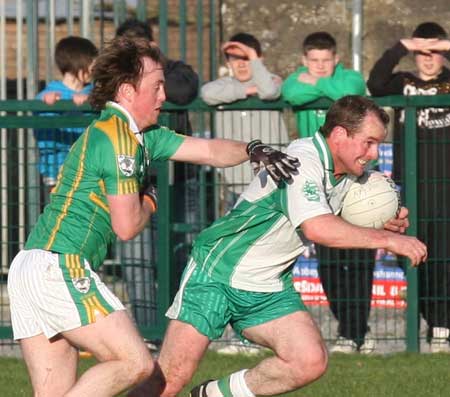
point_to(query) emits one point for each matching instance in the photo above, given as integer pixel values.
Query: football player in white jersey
(239, 271)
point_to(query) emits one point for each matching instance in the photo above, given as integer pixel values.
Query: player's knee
(139, 370)
(310, 366)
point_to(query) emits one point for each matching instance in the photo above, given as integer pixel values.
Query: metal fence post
(164, 257)
(411, 175)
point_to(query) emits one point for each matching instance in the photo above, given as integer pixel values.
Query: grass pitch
(405, 375)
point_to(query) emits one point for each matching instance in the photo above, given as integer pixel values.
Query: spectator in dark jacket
(430, 46)
(181, 84)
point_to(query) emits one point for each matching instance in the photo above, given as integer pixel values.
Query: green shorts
(209, 305)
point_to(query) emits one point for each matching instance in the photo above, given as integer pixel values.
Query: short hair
(249, 40)
(319, 41)
(120, 62)
(135, 28)
(430, 30)
(74, 54)
(349, 112)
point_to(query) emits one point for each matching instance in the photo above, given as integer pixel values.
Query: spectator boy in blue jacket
(74, 57)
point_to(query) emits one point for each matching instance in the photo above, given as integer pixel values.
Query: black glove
(279, 165)
(150, 194)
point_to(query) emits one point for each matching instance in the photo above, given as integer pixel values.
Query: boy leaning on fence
(74, 57)
(430, 47)
(346, 275)
(322, 75)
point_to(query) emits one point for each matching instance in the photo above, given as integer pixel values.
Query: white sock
(212, 389)
(238, 386)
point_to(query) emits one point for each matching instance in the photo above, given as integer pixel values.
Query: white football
(371, 201)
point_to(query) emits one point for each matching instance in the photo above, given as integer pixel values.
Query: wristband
(251, 145)
(150, 200)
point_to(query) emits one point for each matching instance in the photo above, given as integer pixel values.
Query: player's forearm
(227, 153)
(136, 224)
(214, 152)
(129, 215)
(332, 231)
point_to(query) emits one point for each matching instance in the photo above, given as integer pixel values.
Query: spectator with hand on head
(430, 47)
(248, 77)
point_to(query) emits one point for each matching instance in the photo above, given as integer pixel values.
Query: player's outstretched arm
(226, 153)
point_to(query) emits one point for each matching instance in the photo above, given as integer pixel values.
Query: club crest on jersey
(311, 191)
(127, 164)
(82, 284)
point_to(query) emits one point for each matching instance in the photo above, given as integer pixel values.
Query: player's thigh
(52, 364)
(111, 337)
(250, 309)
(291, 337)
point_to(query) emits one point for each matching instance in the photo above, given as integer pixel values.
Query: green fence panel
(145, 273)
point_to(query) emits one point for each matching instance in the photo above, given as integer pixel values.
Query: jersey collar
(325, 156)
(125, 115)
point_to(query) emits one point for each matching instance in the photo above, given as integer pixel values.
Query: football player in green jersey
(58, 303)
(239, 272)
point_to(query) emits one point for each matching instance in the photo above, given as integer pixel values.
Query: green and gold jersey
(253, 247)
(107, 159)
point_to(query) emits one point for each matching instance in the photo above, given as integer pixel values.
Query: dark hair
(74, 54)
(120, 62)
(135, 28)
(429, 30)
(319, 41)
(249, 40)
(349, 112)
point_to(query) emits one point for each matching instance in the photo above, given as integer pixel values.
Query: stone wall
(282, 25)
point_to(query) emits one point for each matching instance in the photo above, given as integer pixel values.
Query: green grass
(399, 375)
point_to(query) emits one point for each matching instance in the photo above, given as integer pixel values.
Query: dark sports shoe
(200, 390)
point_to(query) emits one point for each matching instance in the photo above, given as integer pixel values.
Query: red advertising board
(388, 288)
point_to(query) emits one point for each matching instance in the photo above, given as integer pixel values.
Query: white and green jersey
(254, 245)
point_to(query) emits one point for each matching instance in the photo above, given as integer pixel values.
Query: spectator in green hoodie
(346, 275)
(322, 75)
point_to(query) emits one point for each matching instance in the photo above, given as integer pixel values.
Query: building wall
(282, 25)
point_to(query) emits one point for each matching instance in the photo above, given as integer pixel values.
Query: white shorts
(50, 293)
